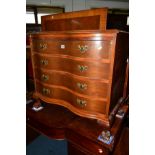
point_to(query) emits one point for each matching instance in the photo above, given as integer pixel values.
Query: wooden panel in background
(94, 19)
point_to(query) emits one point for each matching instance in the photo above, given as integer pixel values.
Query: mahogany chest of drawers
(83, 71)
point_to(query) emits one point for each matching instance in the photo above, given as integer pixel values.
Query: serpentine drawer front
(91, 69)
(70, 97)
(96, 88)
(83, 71)
(83, 49)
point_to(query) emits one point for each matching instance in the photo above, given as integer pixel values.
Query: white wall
(38, 2)
(79, 5)
(75, 5)
(67, 4)
(109, 4)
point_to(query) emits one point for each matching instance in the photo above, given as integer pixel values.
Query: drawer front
(71, 98)
(94, 69)
(86, 87)
(85, 49)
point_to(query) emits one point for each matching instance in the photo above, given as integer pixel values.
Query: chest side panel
(119, 71)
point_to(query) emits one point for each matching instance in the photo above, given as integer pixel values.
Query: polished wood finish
(96, 60)
(51, 120)
(82, 111)
(73, 150)
(81, 133)
(60, 93)
(91, 129)
(85, 86)
(106, 70)
(126, 83)
(122, 147)
(95, 50)
(119, 70)
(94, 70)
(76, 20)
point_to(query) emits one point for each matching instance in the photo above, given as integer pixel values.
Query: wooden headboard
(94, 19)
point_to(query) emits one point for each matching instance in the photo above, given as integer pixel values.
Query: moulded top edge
(78, 32)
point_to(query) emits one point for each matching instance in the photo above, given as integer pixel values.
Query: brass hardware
(82, 86)
(42, 46)
(111, 42)
(82, 68)
(44, 62)
(83, 49)
(82, 103)
(45, 77)
(45, 91)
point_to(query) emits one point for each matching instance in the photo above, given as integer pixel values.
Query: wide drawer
(93, 69)
(95, 88)
(88, 104)
(85, 49)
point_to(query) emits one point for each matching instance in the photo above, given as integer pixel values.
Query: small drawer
(83, 49)
(94, 69)
(96, 88)
(70, 97)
